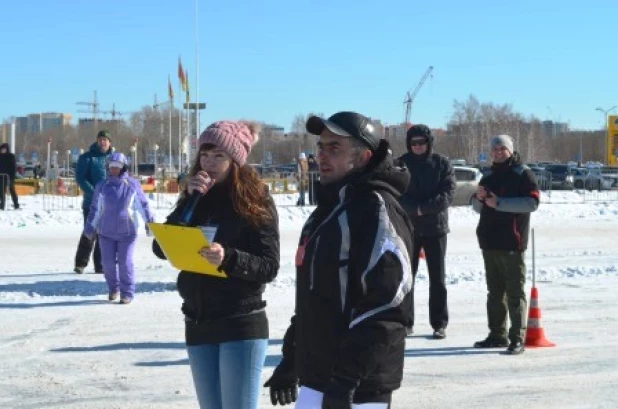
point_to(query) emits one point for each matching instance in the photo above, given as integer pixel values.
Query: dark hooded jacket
(91, 169)
(431, 190)
(8, 166)
(353, 283)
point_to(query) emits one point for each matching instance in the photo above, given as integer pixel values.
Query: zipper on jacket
(317, 243)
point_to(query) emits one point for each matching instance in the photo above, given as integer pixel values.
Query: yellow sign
(181, 246)
(612, 140)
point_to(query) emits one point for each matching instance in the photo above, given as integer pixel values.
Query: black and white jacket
(353, 284)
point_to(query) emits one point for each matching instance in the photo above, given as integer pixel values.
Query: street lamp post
(134, 155)
(171, 104)
(48, 165)
(54, 171)
(606, 143)
(156, 153)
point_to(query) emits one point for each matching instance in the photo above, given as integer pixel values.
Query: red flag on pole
(187, 86)
(181, 76)
(169, 88)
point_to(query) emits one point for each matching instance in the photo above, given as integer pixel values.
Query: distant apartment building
(395, 131)
(5, 133)
(551, 128)
(88, 123)
(41, 122)
(399, 131)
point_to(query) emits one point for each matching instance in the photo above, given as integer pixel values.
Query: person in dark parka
(430, 193)
(91, 169)
(8, 171)
(506, 196)
(346, 343)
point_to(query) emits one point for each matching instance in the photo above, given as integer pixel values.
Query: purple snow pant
(117, 260)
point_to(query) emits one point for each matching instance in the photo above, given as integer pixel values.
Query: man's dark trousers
(4, 180)
(85, 247)
(435, 251)
(505, 272)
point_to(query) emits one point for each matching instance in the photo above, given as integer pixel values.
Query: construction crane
(410, 95)
(113, 112)
(94, 110)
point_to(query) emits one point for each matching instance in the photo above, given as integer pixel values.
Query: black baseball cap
(348, 125)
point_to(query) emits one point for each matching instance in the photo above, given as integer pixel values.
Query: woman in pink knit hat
(226, 327)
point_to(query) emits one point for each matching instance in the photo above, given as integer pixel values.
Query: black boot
(491, 342)
(515, 348)
(439, 333)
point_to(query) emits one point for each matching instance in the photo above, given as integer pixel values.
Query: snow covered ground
(62, 345)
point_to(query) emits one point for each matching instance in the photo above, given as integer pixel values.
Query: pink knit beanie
(234, 137)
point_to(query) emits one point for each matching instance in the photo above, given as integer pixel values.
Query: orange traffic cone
(422, 254)
(535, 335)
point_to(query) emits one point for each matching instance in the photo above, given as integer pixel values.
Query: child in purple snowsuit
(116, 203)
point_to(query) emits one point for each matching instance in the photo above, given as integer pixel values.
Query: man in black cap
(353, 275)
(91, 169)
(426, 200)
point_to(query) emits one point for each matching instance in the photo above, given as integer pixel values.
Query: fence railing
(65, 194)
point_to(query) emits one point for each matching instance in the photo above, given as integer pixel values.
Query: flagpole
(188, 124)
(188, 136)
(170, 128)
(197, 72)
(180, 131)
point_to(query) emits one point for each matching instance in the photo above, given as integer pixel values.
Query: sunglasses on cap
(418, 142)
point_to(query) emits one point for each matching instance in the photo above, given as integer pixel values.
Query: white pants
(311, 399)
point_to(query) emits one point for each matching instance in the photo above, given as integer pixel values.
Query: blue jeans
(227, 375)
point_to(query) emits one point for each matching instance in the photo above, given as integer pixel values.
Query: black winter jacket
(8, 165)
(431, 190)
(353, 284)
(507, 227)
(228, 309)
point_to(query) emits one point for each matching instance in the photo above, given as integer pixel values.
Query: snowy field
(63, 345)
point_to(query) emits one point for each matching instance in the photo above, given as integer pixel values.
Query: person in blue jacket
(91, 169)
(116, 203)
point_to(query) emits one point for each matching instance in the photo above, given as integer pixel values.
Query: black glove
(283, 384)
(338, 394)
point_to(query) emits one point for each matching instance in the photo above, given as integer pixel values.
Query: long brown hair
(249, 195)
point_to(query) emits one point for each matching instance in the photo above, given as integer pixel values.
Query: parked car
(458, 162)
(561, 177)
(146, 169)
(610, 173)
(591, 179)
(66, 173)
(543, 177)
(467, 181)
(29, 172)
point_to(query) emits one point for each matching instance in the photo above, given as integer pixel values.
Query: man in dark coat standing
(90, 170)
(8, 169)
(430, 193)
(506, 196)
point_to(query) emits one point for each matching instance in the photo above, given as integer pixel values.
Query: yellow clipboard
(181, 246)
